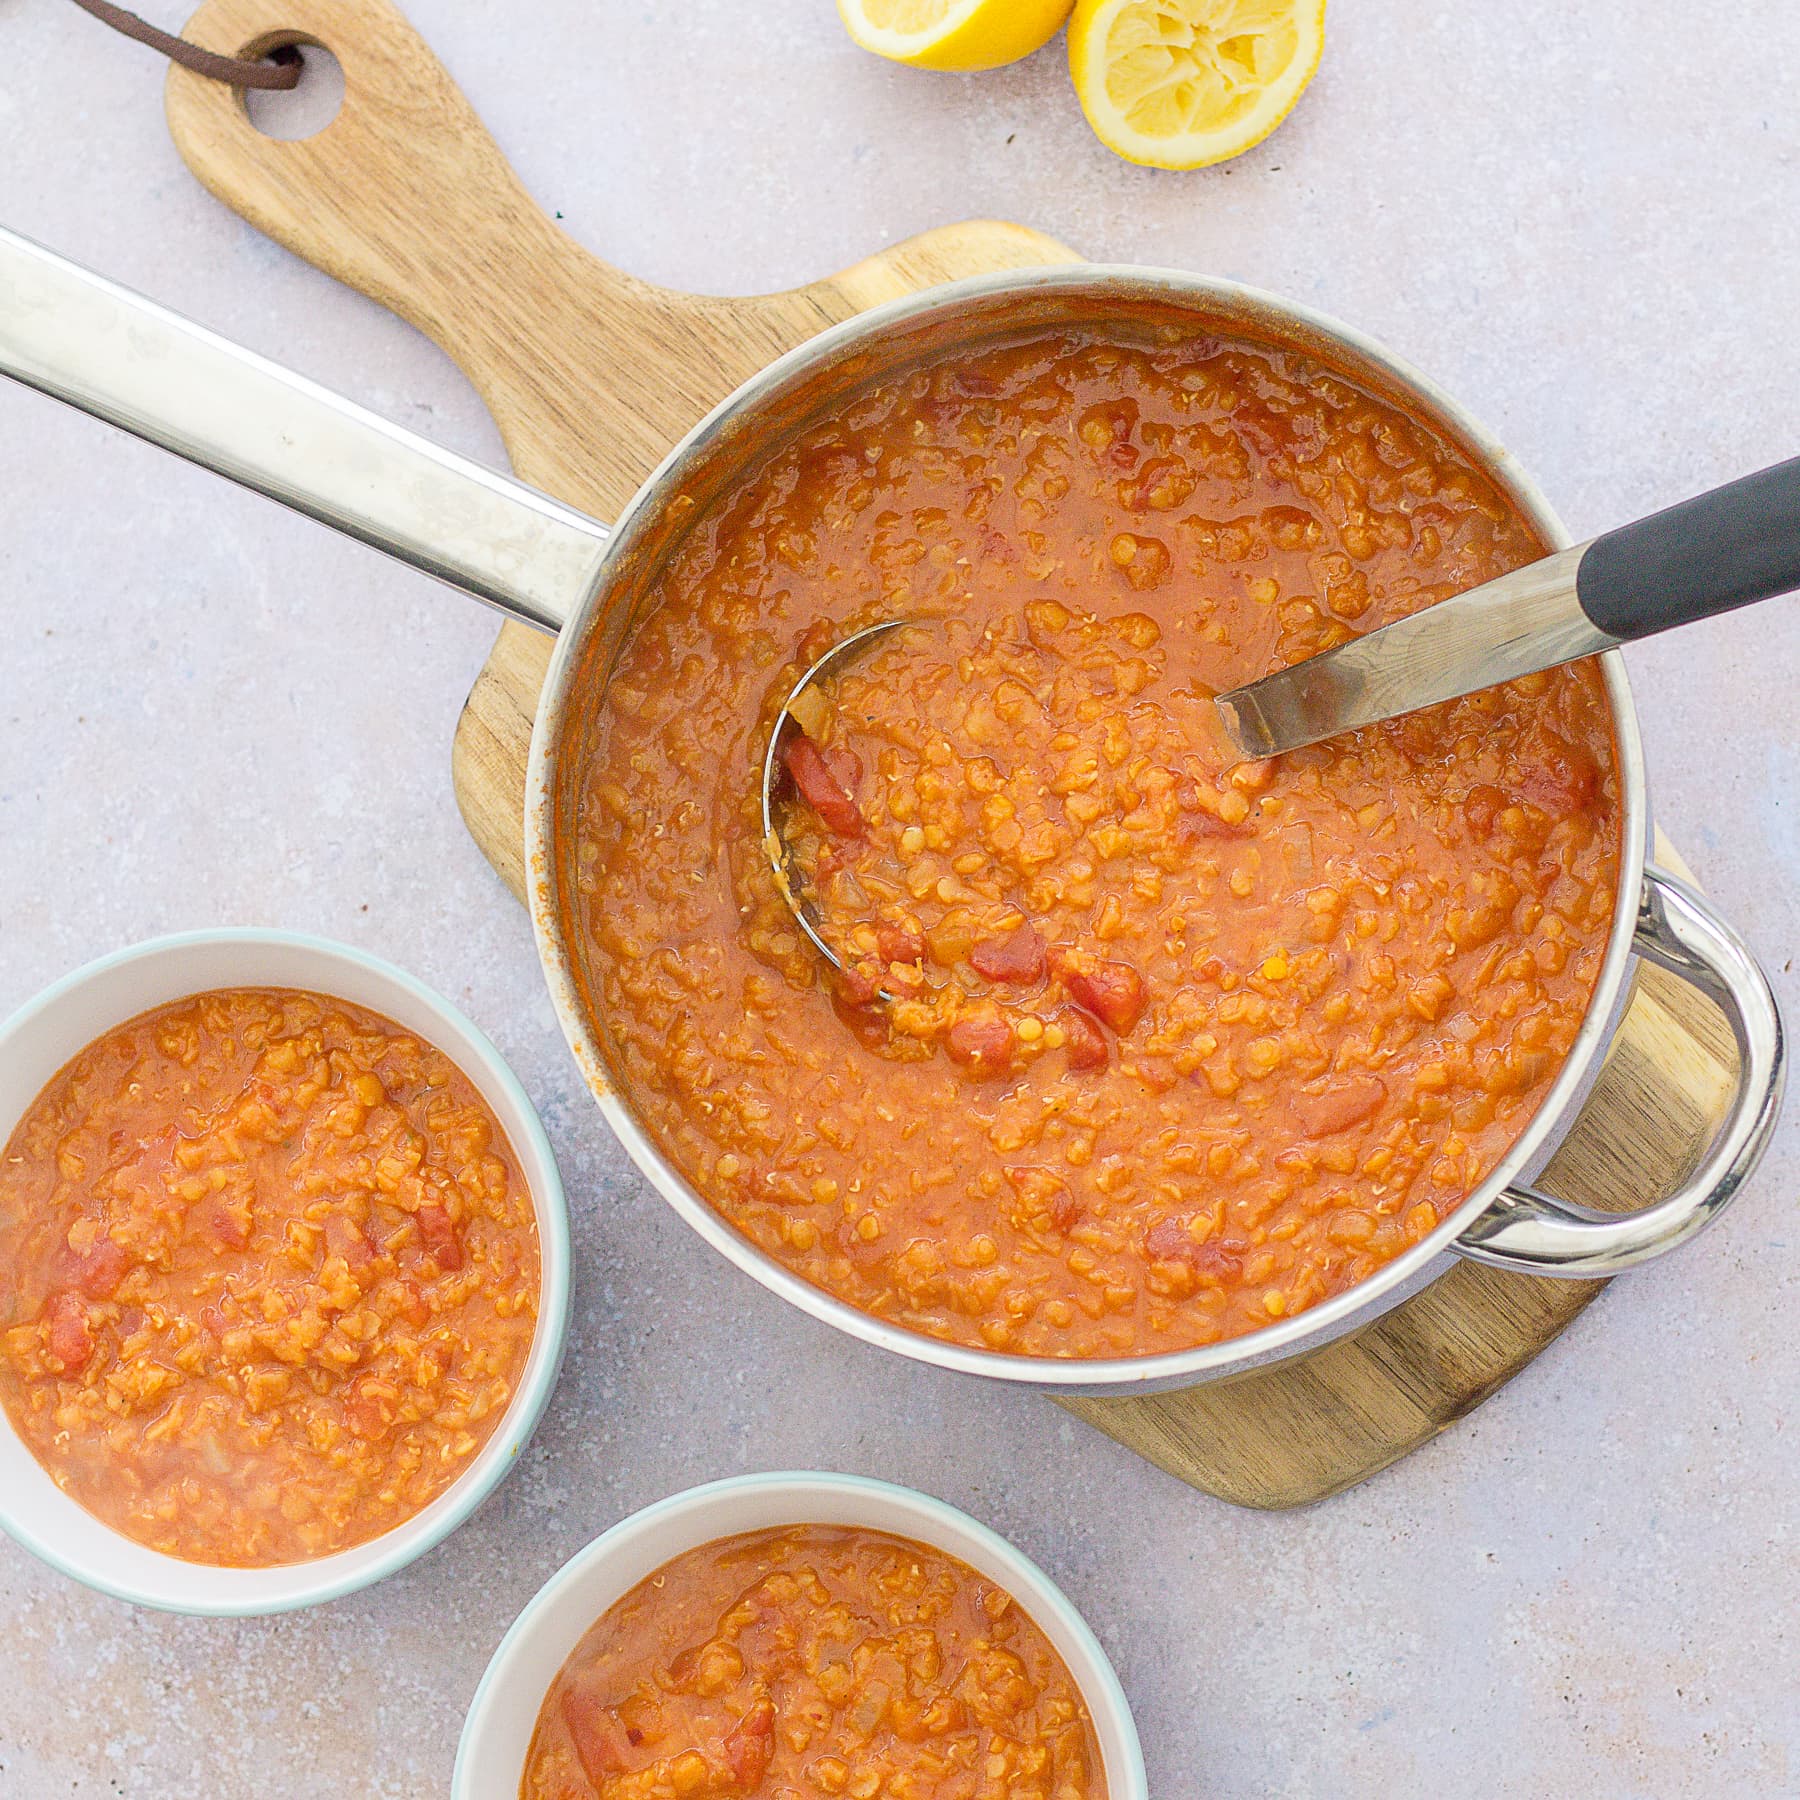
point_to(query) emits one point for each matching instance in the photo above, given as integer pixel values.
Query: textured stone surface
(1584, 221)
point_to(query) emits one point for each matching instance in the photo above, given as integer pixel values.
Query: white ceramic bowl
(490, 1759)
(45, 1033)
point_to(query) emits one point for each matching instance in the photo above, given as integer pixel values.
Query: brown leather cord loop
(280, 70)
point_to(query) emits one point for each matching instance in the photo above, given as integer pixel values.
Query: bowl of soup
(285, 1271)
(807, 1632)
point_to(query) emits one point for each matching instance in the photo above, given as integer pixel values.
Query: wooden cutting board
(591, 375)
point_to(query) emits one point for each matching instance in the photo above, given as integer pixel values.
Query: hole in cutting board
(305, 109)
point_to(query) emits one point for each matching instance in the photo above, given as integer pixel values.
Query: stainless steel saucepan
(116, 355)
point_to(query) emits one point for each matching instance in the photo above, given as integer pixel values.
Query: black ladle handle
(1720, 550)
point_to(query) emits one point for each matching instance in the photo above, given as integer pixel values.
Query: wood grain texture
(591, 375)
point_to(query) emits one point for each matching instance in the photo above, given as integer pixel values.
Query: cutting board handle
(590, 373)
(406, 197)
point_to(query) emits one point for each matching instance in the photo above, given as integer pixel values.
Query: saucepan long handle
(123, 358)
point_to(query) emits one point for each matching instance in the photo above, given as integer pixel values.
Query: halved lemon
(960, 35)
(1178, 84)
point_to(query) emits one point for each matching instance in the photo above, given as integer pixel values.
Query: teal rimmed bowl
(46, 1032)
(496, 1736)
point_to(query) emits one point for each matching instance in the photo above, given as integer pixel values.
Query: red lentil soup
(268, 1276)
(814, 1660)
(1135, 1050)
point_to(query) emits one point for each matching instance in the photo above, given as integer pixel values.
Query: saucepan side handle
(1534, 1233)
(73, 334)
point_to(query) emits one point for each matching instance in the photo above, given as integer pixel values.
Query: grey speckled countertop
(1583, 220)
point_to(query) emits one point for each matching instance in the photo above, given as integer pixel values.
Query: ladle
(1723, 549)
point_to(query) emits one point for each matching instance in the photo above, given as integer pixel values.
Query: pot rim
(1249, 307)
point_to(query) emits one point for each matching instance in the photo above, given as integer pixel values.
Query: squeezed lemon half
(1178, 84)
(958, 35)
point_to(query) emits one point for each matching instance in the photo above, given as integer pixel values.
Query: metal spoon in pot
(798, 711)
(1724, 549)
